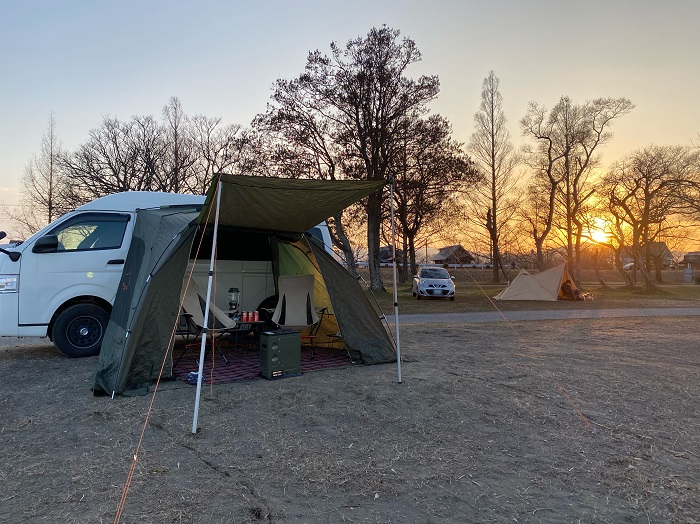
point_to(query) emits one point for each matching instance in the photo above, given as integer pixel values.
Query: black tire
(452, 299)
(79, 330)
(417, 296)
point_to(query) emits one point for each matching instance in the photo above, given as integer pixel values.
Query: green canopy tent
(147, 302)
(338, 291)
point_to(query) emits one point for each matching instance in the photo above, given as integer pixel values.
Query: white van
(61, 282)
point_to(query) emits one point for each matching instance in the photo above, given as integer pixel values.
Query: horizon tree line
(355, 114)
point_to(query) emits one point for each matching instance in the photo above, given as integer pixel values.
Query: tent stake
(203, 347)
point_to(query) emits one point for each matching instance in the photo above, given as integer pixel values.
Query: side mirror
(14, 255)
(46, 244)
(452, 277)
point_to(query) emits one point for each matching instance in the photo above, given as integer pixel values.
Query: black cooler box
(280, 353)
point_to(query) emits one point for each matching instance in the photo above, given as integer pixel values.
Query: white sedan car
(433, 282)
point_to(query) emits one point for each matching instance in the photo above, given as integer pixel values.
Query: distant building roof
(453, 255)
(660, 249)
(386, 254)
(693, 256)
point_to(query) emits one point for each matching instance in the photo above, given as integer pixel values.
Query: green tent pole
(203, 347)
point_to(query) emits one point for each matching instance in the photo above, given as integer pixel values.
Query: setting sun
(597, 232)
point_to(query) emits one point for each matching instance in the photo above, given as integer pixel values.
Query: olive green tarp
(282, 204)
(137, 342)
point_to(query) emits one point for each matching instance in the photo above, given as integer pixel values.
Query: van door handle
(116, 261)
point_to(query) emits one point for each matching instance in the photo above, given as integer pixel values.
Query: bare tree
(645, 191)
(177, 154)
(299, 141)
(542, 190)
(218, 148)
(42, 185)
(179, 157)
(618, 237)
(495, 157)
(363, 95)
(106, 163)
(567, 139)
(428, 174)
(147, 142)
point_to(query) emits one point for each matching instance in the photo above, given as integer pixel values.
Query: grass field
(475, 292)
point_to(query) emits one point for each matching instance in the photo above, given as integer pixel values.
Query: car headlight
(8, 283)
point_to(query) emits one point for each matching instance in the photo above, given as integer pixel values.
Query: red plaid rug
(244, 362)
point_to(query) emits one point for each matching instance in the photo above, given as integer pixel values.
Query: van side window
(321, 235)
(316, 233)
(89, 231)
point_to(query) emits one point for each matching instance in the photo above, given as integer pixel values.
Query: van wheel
(79, 330)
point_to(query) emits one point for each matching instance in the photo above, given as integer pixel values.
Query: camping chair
(186, 328)
(193, 305)
(295, 307)
(335, 340)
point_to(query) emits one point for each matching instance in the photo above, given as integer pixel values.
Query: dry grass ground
(541, 421)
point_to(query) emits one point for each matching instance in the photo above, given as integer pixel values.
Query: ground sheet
(242, 362)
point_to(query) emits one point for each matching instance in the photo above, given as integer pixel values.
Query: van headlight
(8, 283)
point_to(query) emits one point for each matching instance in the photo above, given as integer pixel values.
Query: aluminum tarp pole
(396, 296)
(203, 347)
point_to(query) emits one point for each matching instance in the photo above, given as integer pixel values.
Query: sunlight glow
(598, 231)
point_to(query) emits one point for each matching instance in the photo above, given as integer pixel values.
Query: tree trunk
(493, 236)
(403, 275)
(577, 252)
(601, 281)
(374, 220)
(540, 254)
(498, 264)
(412, 254)
(641, 266)
(658, 265)
(342, 242)
(598, 275)
(502, 265)
(495, 259)
(648, 278)
(629, 282)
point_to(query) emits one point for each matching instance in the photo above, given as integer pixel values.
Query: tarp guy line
(135, 456)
